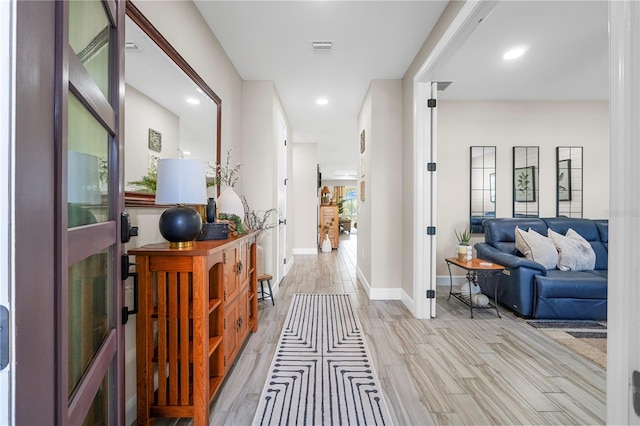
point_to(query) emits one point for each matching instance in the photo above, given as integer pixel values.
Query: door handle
(126, 230)
(124, 274)
(282, 221)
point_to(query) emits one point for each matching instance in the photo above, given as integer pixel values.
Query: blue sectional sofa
(533, 291)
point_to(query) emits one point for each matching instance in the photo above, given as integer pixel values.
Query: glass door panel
(89, 38)
(90, 321)
(87, 167)
(99, 413)
(89, 312)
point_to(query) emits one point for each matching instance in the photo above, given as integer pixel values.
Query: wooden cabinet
(196, 308)
(329, 219)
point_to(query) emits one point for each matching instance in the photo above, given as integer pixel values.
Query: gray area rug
(321, 373)
(587, 338)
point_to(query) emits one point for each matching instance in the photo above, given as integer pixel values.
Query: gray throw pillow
(574, 252)
(537, 247)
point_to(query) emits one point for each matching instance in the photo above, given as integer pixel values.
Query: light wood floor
(447, 370)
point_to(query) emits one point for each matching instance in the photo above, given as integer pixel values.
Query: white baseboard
(313, 250)
(131, 411)
(378, 293)
(288, 265)
(408, 302)
(443, 280)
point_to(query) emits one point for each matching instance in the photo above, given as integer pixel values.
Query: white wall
(508, 124)
(141, 114)
(379, 216)
(304, 184)
(261, 115)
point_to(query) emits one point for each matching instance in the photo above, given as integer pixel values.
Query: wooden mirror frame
(135, 199)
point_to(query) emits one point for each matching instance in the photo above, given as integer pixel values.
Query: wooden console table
(196, 308)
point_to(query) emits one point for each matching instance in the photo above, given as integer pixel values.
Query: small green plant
(147, 184)
(235, 220)
(463, 237)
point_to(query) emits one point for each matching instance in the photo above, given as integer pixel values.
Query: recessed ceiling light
(322, 45)
(193, 101)
(514, 53)
(186, 152)
(322, 101)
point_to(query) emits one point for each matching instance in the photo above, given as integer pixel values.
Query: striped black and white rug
(321, 372)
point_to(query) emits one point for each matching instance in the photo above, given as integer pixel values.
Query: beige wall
(304, 184)
(379, 216)
(508, 124)
(141, 114)
(261, 117)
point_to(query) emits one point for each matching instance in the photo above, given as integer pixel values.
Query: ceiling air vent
(322, 45)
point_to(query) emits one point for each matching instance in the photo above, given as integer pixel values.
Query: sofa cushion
(574, 252)
(594, 231)
(571, 284)
(536, 247)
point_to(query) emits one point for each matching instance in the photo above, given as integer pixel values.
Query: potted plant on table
(465, 251)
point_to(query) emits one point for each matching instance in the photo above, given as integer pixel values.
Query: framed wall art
(564, 180)
(155, 140)
(524, 188)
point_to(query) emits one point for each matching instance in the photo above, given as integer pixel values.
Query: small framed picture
(362, 141)
(155, 140)
(362, 191)
(564, 180)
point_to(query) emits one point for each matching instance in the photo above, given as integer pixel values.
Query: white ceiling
(269, 40)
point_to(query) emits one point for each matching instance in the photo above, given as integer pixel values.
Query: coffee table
(474, 267)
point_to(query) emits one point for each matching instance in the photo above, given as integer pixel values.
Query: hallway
(448, 370)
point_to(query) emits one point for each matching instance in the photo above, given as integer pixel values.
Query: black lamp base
(180, 226)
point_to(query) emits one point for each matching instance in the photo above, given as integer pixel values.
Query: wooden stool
(261, 280)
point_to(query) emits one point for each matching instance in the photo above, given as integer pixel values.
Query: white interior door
(282, 200)
(6, 239)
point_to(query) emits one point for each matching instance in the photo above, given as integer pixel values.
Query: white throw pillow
(537, 247)
(574, 252)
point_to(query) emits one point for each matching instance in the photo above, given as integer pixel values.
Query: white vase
(326, 244)
(260, 260)
(229, 202)
(465, 253)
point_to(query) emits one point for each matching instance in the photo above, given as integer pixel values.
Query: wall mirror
(526, 181)
(169, 110)
(569, 181)
(483, 186)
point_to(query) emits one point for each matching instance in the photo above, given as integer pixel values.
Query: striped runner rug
(321, 373)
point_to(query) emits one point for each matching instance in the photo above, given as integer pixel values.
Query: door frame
(424, 151)
(623, 341)
(7, 195)
(281, 168)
